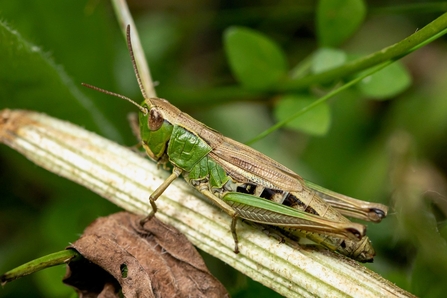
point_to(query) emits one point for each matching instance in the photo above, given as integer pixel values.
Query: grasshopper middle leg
(229, 210)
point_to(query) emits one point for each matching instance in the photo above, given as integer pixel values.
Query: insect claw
(151, 214)
(236, 249)
(147, 218)
(143, 221)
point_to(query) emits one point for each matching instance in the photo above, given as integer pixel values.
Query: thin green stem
(392, 52)
(54, 259)
(125, 18)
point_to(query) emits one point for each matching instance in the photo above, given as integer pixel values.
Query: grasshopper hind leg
(226, 208)
(233, 232)
(154, 196)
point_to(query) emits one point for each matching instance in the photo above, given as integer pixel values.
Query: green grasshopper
(247, 184)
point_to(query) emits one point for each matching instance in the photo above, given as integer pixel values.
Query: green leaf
(386, 83)
(337, 20)
(316, 121)
(256, 61)
(327, 58)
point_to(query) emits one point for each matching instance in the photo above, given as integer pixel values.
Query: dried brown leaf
(151, 261)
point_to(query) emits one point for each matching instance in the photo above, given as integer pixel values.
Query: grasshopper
(245, 183)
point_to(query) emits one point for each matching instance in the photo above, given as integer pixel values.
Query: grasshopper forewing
(245, 183)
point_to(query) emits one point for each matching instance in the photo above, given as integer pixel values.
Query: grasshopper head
(155, 117)
(155, 111)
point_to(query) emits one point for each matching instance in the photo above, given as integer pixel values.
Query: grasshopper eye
(155, 119)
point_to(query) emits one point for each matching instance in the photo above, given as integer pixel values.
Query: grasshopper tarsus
(150, 215)
(144, 220)
(233, 232)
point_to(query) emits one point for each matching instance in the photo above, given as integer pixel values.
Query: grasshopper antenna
(134, 64)
(142, 109)
(137, 74)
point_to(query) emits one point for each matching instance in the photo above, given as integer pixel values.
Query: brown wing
(246, 165)
(245, 162)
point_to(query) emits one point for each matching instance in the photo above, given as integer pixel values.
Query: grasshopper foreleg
(154, 196)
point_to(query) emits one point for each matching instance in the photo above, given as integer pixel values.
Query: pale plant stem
(124, 19)
(127, 179)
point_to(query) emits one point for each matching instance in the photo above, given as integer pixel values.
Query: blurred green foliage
(257, 62)
(391, 151)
